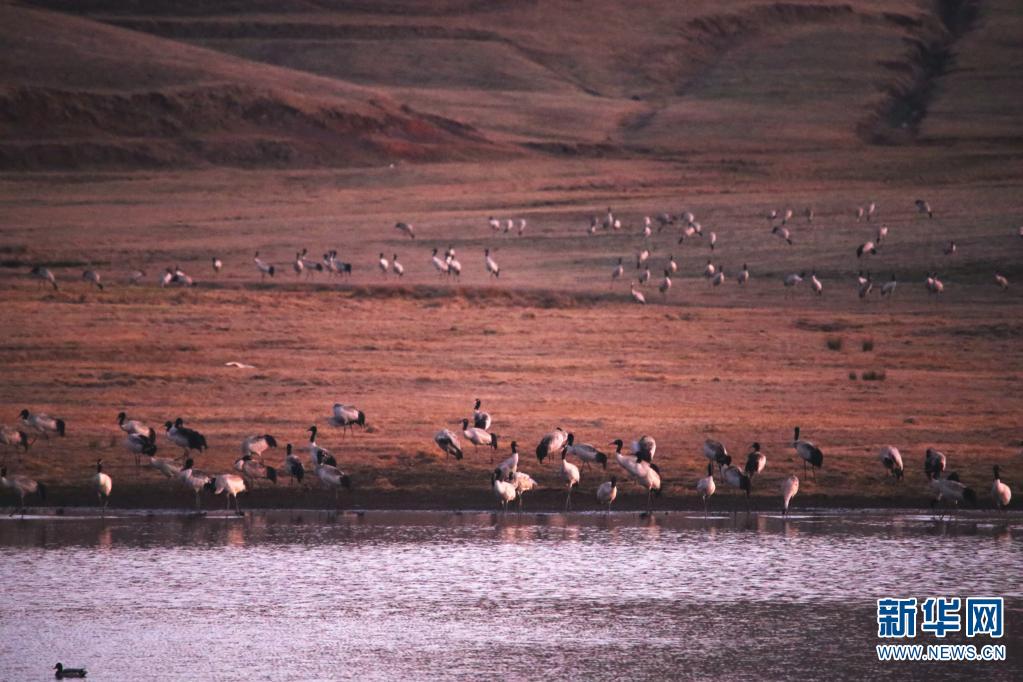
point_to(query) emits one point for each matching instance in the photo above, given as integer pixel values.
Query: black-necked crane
(231, 484)
(93, 278)
(644, 448)
(793, 279)
(783, 233)
(647, 231)
(859, 213)
(439, 264)
(953, 490)
(663, 220)
(644, 277)
(570, 477)
(1000, 493)
(509, 225)
(772, 215)
(185, 438)
(22, 486)
(257, 445)
(480, 419)
(665, 284)
(165, 465)
(263, 267)
(494, 223)
(644, 473)
(951, 248)
(15, 438)
(866, 247)
(166, 278)
(523, 483)
(864, 285)
(710, 270)
(717, 453)
(756, 461)
(706, 486)
(607, 492)
(810, 453)
(217, 264)
(686, 232)
(253, 470)
(924, 207)
(891, 459)
(44, 275)
(888, 288)
(688, 217)
(511, 464)
(132, 425)
(316, 453)
(136, 276)
(808, 213)
(712, 239)
(592, 229)
(396, 267)
(789, 488)
(383, 264)
(585, 452)
(503, 490)
(332, 477)
(618, 272)
(743, 277)
(882, 232)
(102, 484)
(454, 267)
(522, 226)
(298, 265)
(479, 437)
(737, 478)
(347, 417)
(194, 480)
(292, 465)
(815, 284)
(637, 295)
(406, 228)
(871, 211)
(181, 278)
(311, 265)
(493, 269)
(786, 216)
(447, 441)
(642, 257)
(719, 278)
(1001, 281)
(141, 445)
(551, 443)
(934, 285)
(43, 424)
(934, 463)
(672, 264)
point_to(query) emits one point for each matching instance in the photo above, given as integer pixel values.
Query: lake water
(392, 595)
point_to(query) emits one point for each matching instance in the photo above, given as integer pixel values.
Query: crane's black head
(168, 425)
(24, 414)
(493, 440)
(465, 423)
(796, 436)
(289, 448)
(189, 463)
(477, 405)
(179, 422)
(618, 444)
(995, 470)
(24, 439)
(270, 440)
(755, 447)
(121, 416)
(361, 421)
(514, 446)
(710, 469)
(614, 481)
(99, 465)
(571, 438)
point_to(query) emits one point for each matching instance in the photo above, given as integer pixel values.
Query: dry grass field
(134, 140)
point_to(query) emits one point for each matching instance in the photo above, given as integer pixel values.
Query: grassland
(734, 113)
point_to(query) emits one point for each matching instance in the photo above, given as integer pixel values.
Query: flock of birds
(447, 264)
(507, 481)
